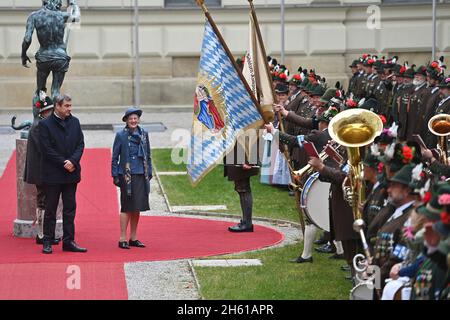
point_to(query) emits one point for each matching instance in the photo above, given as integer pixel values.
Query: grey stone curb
(197, 283)
(162, 189)
(218, 214)
(233, 216)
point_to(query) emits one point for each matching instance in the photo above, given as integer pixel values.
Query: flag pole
(285, 149)
(201, 3)
(433, 48)
(266, 67)
(263, 49)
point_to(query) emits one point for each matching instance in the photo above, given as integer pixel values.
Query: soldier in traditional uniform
(279, 75)
(341, 212)
(395, 157)
(305, 122)
(403, 102)
(444, 104)
(417, 103)
(390, 234)
(359, 91)
(301, 106)
(353, 79)
(434, 76)
(431, 278)
(319, 138)
(370, 74)
(294, 84)
(381, 92)
(239, 169)
(32, 173)
(398, 71)
(389, 69)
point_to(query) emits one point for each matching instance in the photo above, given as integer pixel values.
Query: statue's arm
(27, 40)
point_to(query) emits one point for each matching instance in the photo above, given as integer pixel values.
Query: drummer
(341, 212)
(319, 138)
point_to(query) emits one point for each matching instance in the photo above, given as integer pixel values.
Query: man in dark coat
(433, 78)
(341, 212)
(360, 81)
(300, 106)
(403, 98)
(396, 92)
(417, 104)
(353, 79)
(32, 172)
(62, 145)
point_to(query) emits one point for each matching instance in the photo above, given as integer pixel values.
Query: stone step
(110, 91)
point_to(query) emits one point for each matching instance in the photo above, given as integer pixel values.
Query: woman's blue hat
(132, 110)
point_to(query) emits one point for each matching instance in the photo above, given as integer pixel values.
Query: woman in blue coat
(131, 169)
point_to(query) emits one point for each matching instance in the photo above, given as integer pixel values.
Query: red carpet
(62, 281)
(97, 228)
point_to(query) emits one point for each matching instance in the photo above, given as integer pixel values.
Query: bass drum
(314, 201)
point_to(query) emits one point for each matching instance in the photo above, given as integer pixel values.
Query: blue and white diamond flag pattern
(223, 108)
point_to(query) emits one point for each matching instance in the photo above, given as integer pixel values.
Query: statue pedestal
(26, 199)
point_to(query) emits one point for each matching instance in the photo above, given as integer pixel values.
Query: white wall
(326, 38)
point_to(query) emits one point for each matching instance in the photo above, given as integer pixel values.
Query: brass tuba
(439, 125)
(355, 128)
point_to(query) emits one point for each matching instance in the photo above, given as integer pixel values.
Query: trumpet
(355, 128)
(439, 125)
(307, 170)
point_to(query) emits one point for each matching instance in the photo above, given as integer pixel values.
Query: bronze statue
(50, 24)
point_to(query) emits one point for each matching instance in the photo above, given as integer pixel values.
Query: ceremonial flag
(256, 69)
(223, 107)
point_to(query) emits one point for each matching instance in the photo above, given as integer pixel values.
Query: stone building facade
(324, 34)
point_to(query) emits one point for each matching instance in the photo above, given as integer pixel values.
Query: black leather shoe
(301, 260)
(241, 228)
(328, 248)
(47, 249)
(136, 243)
(72, 247)
(41, 241)
(336, 256)
(123, 245)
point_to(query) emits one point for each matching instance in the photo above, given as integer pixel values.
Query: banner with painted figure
(223, 108)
